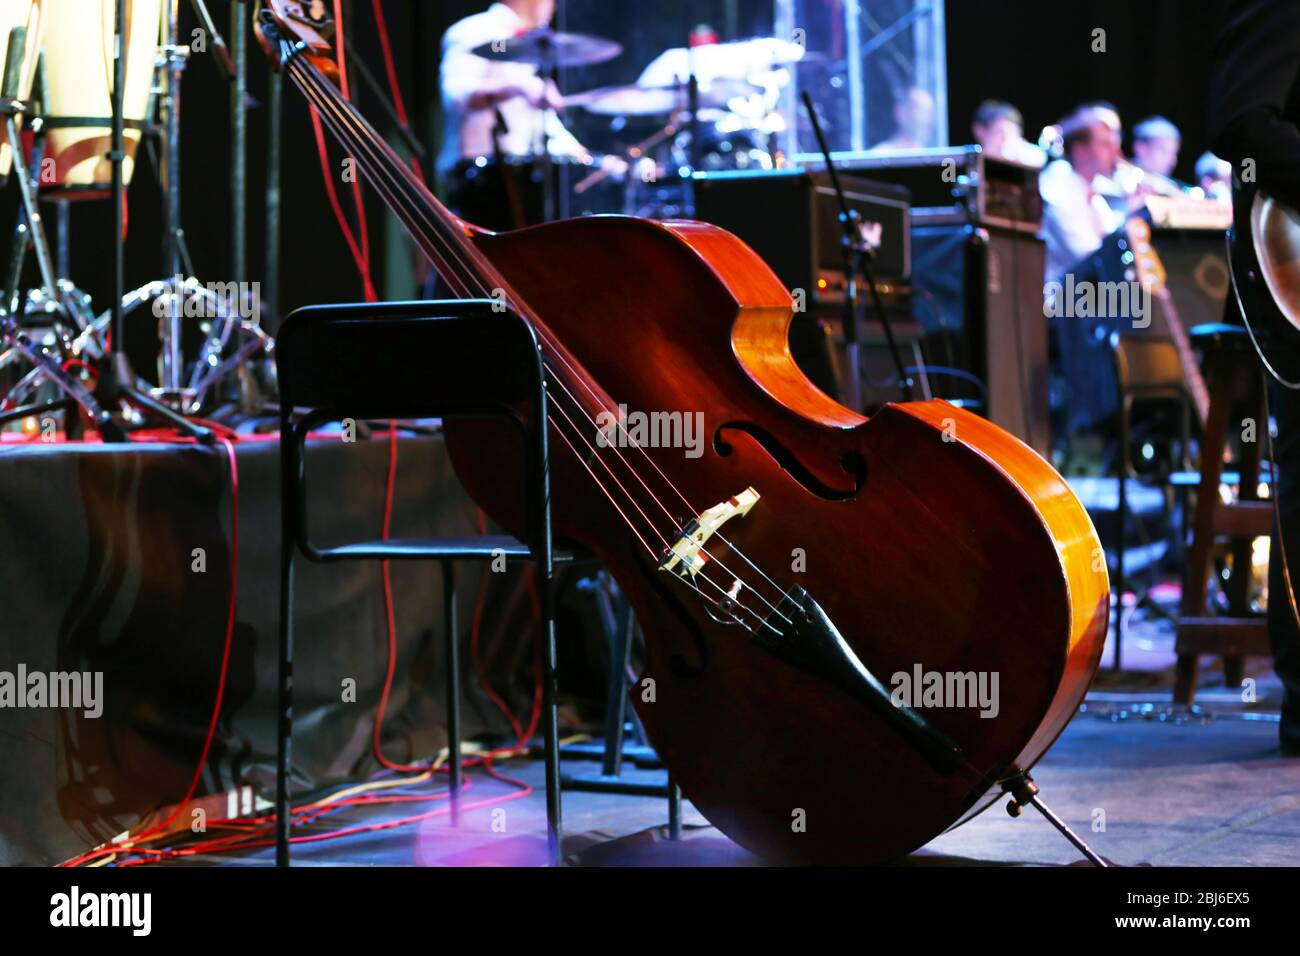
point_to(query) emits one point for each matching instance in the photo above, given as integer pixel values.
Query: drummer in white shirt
(474, 90)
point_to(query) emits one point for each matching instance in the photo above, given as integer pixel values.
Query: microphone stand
(858, 254)
(548, 71)
(695, 156)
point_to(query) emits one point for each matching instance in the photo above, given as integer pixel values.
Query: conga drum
(27, 15)
(78, 47)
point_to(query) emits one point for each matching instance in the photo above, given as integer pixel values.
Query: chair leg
(453, 686)
(551, 728)
(620, 653)
(540, 546)
(1234, 671)
(674, 809)
(1185, 679)
(1121, 514)
(284, 723)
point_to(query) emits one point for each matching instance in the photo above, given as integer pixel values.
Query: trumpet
(1131, 177)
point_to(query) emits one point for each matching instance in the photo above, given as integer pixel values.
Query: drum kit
(706, 107)
(58, 72)
(717, 106)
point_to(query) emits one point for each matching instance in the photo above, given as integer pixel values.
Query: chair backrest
(1145, 363)
(406, 359)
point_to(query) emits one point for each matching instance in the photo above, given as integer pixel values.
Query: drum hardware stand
(45, 367)
(210, 368)
(500, 130)
(548, 70)
(173, 389)
(173, 58)
(858, 252)
(116, 386)
(633, 155)
(56, 294)
(248, 391)
(693, 123)
(1023, 790)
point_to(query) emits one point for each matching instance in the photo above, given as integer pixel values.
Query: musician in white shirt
(1000, 131)
(1082, 201)
(475, 88)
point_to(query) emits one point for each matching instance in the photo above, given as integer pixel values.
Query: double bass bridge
(687, 556)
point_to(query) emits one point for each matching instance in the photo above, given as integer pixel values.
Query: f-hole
(854, 465)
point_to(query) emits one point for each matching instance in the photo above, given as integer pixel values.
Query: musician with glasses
(1156, 143)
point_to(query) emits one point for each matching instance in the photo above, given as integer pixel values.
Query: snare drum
(15, 14)
(78, 48)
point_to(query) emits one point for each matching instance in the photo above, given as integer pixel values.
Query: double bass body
(926, 535)
(923, 537)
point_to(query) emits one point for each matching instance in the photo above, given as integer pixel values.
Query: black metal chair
(1147, 370)
(457, 359)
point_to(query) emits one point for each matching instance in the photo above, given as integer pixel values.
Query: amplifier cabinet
(979, 295)
(952, 184)
(790, 217)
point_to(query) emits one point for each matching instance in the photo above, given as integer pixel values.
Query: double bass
(806, 562)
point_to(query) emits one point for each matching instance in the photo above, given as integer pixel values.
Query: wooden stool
(1233, 372)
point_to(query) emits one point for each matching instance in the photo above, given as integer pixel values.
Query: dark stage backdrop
(1035, 53)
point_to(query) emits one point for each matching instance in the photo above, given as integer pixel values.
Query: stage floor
(1213, 793)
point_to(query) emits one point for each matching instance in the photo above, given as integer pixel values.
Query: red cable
(396, 90)
(389, 614)
(387, 48)
(228, 844)
(323, 151)
(335, 834)
(225, 667)
(312, 811)
(245, 841)
(474, 632)
(358, 200)
(84, 366)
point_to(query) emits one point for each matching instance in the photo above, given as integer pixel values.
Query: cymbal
(546, 47)
(737, 60)
(635, 100)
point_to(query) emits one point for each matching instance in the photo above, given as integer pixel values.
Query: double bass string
(595, 454)
(690, 508)
(733, 599)
(734, 618)
(330, 107)
(655, 498)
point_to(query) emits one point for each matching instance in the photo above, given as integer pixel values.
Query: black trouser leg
(1283, 633)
